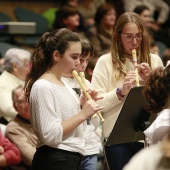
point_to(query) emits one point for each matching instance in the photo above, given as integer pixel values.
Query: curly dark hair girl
(157, 89)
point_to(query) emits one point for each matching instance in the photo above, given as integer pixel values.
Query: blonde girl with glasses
(114, 76)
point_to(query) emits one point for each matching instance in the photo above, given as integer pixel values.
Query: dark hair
(63, 2)
(102, 11)
(139, 9)
(63, 13)
(86, 46)
(157, 89)
(41, 60)
(166, 56)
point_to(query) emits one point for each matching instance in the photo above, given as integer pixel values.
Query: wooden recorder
(84, 88)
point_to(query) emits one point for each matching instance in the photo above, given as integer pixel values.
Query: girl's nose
(134, 42)
(77, 62)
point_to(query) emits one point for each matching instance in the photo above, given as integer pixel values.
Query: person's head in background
(90, 68)
(17, 62)
(56, 52)
(154, 49)
(72, 3)
(105, 17)
(145, 14)
(19, 102)
(67, 17)
(130, 33)
(166, 57)
(87, 53)
(157, 90)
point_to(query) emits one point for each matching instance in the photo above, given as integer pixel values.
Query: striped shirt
(50, 105)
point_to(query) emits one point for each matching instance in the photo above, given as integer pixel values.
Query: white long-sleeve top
(92, 142)
(102, 81)
(159, 128)
(50, 105)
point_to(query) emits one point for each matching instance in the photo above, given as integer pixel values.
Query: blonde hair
(117, 52)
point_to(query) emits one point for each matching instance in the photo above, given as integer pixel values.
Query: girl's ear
(56, 55)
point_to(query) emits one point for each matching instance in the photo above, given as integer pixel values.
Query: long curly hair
(157, 89)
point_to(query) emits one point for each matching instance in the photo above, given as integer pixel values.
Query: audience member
(87, 9)
(159, 32)
(155, 32)
(119, 6)
(16, 68)
(114, 76)
(145, 15)
(20, 131)
(68, 17)
(72, 12)
(9, 153)
(100, 34)
(154, 6)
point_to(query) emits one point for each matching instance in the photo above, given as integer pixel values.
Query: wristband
(119, 92)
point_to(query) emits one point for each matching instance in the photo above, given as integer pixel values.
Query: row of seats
(25, 15)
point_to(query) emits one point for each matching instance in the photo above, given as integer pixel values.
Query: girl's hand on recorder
(93, 94)
(144, 70)
(90, 108)
(128, 83)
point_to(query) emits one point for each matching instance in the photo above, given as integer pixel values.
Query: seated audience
(16, 68)
(67, 17)
(20, 131)
(154, 6)
(100, 35)
(157, 32)
(9, 153)
(87, 9)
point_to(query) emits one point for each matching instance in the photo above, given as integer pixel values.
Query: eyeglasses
(130, 37)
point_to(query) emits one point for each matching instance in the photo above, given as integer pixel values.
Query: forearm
(72, 123)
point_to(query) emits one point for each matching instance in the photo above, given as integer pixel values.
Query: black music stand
(132, 120)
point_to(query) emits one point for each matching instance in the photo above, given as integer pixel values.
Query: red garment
(11, 152)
